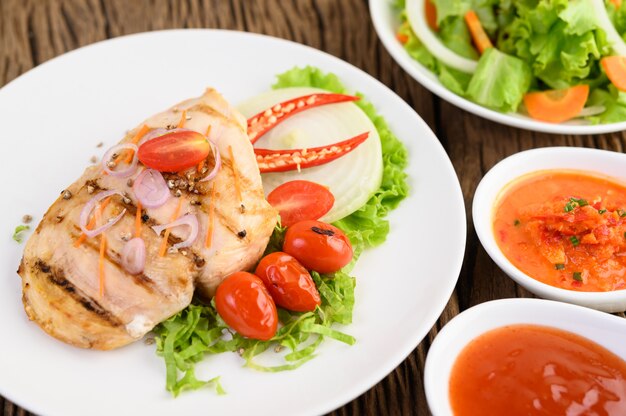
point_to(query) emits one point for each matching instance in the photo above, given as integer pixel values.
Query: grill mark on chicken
(208, 110)
(57, 277)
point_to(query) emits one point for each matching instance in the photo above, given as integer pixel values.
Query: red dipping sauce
(537, 370)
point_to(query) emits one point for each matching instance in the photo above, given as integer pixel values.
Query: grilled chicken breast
(60, 278)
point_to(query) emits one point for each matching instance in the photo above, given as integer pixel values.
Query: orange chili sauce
(536, 370)
(566, 229)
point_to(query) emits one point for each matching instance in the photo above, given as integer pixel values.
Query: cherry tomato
(318, 246)
(300, 200)
(289, 283)
(175, 151)
(245, 305)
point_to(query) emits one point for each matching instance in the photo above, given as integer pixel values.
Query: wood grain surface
(34, 31)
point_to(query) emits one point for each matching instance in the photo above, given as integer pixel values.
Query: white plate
(57, 113)
(386, 22)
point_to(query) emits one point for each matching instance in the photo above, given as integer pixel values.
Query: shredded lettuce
(559, 42)
(18, 233)
(198, 331)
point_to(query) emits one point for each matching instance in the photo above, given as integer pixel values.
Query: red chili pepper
(283, 160)
(266, 120)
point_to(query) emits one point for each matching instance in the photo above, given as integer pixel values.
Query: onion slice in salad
(188, 219)
(134, 256)
(89, 206)
(417, 20)
(604, 21)
(108, 156)
(353, 177)
(150, 189)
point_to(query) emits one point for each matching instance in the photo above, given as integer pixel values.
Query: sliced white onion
(218, 161)
(134, 256)
(122, 173)
(417, 20)
(352, 178)
(604, 21)
(593, 110)
(188, 219)
(89, 206)
(150, 189)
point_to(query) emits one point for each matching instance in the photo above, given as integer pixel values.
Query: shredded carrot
(138, 220)
(402, 38)
(142, 132)
(183, 118)
(163, 247)
(481, 40)
(103, 246)
(200, 166)
(209, 233)
(92, 222)
(617, 3)
(235, 173)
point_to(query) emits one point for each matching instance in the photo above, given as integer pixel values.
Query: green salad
(554, 60)
(199, 331)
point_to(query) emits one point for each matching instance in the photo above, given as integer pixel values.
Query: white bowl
(596, 326)
(600, 161)
(386, 23)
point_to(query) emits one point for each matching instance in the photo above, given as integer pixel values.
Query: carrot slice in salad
(430, 11)
(479, 36)
(556, 106)
(615, 68)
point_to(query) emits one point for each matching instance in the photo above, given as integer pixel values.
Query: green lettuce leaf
(500, 81)
(454, 80)
(613, 100)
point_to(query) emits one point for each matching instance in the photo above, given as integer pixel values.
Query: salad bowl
(385, 16)
(606, 163)
(596, 326)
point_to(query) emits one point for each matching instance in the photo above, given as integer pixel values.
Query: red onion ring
(152, 134)
(218, 162)
(134, 256)
(89, 206)
(188, 219)
(150, 189)
(123, 173)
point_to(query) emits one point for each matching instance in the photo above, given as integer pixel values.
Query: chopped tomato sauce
(566, 229)
(536, 370)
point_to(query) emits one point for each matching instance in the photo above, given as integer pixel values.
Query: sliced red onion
(134, 256)
(150, 189)
(188, 219)
(122, 173)
(89, 206)
(152, 134)
(218, 162)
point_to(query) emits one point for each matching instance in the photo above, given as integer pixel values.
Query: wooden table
(33, 31)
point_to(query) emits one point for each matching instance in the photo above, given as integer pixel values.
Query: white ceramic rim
(411, 341)
(453, 338)
(385, 22)
(482, 212)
